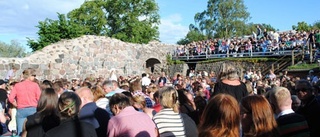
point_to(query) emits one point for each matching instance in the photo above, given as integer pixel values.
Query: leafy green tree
(223, 18)
(132, 20)
(193, 35)
(51, 31)
(91, 17)
(316, 25)
(302, 26)
(14, 49)
(268, 27)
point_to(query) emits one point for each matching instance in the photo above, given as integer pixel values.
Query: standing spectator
(229, 82)
(162, 80)
(259, 32)
(70, 125)
(25, 95)
(168, 120)
(317, 38)
(257, 118)
(91, 113)
(221, 117)
(45, 118)
(289, 123)
(311, 39)
(145, 80)
(127, 121)
(3, 94)
(296, 102)
(310, 107)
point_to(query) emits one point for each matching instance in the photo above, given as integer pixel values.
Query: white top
(145, 81)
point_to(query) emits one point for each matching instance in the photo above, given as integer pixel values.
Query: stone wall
(89, 55)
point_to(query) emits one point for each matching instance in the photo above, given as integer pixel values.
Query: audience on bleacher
(268, 42)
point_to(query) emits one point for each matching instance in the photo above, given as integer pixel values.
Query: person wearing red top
(25, 96)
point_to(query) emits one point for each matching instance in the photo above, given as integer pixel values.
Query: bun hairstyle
(28, 72)
(169, 98)
(69, 105)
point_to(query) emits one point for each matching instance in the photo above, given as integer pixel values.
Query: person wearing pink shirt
(25, 96)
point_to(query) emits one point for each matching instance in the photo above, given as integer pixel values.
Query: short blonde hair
(139, 100)
(85, 92)
(169, 98)
(280, 96)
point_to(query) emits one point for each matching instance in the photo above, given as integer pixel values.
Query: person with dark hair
(46, 116)
(70, 125)
(127, 121)
(25, 95)
(187, 105)
(310, 107)
(157, 107)
(221, 117)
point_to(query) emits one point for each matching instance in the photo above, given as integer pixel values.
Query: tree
(14, 49)
(268, 27)
(51, 31)
(132, 20)
(193, 35)
(223, 18)
(316, 25)
(302, 26)
(91, 17)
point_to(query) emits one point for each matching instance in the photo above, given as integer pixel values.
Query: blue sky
(19, 17)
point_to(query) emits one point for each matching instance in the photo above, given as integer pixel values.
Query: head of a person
(69, 105)
(296, 102)
(97, 92)
(303, 89)
(135, 85)
(107, 86)
(58, 87)
(228, 71)
(2, 84)
(280, 99)
(29, 74)
(85, 95)
(139, 102)
(257, 118)
(118, 102)
(48, 102)
(221, 117)
(169, 98)
(183, 99)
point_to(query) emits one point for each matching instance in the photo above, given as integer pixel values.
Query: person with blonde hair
(25, 95)
(221, 117)
(169, 121)
(289, 123)
(139, 102)
(257, 118)
(229, 82)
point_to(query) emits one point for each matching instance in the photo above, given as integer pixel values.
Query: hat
(3, 81)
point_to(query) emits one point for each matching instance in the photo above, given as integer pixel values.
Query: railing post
(292, 57)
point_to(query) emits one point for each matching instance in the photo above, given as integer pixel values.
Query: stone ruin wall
(89, 56)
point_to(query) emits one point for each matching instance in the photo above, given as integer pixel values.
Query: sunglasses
(302, 89)
(34, 75)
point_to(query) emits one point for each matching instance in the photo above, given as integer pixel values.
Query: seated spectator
(127, 121)
(289, 123)
(70, 126)
(221, 117)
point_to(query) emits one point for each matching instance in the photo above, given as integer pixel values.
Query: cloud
(171, 29)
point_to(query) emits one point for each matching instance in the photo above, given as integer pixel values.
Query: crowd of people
(222, 103)
(263, 42)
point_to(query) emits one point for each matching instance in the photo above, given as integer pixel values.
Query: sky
(19, 18)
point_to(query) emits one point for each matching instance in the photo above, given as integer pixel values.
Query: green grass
(304, 66)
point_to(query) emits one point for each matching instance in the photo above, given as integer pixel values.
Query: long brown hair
(221, 117)
(47, 104)
(263, 121)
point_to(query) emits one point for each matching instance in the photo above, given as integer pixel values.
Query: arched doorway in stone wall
(153, 64)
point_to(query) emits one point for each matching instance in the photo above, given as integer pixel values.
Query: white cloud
(171, 29)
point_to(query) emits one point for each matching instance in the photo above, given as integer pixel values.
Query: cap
(2, 81)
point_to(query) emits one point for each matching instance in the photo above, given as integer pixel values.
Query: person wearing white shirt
(145, 80)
